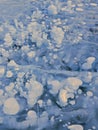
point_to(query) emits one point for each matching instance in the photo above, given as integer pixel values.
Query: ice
(55, 86)
(8, 40)
(14, 10)
(48, 64)
(75, 127)
(73, 83)
(9, 74)
(31, 115)
(11, 106)
(63, 97)
(89, 62)
(58, 35)
(52, 9)
(2, 71)
(35, 91)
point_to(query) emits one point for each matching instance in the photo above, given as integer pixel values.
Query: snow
(72, 102)
(31, 115)
(79, 9)
(12, 63)
(52, 9)
(88, 63)
(73, 83)
(8, 39)
(35, 91)
(1, 92)
(2, 71)
(68, 88)
(10, 87)
(57, 34)
(31, 54)
(93, 4)
(11, 106)
(48, 63)
(75, 127)
(9, 74)
(40, 102)
(55, 86)
(63, 97)
(89, 93)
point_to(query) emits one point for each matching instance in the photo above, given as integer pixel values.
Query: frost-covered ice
(48, 65)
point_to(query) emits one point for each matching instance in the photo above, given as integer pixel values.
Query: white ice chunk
(12, 63)
(8, 39)
(73, 83)
(31, 54)
(35, 91)
(89, 93)
(55, 86)
(79, 9)
(52, 9)
(31, 115)
(72, 102)
(40, 102)
(88, 63)
(2, 71)
(9, 74)
(25, 48)
(88, 77)
(63, 97)
(93, 4)
(11, 106)
(58, 35)
(10, 87)
(75, 127)
(1, 92)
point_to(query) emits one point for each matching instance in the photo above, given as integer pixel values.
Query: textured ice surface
(48, 65)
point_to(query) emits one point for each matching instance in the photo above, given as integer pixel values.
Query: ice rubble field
(48, 65)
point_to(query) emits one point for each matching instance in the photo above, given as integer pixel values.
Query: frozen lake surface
(48, 65)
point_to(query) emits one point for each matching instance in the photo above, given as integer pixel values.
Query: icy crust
(35, 98)
(44, 35)
(42, 49)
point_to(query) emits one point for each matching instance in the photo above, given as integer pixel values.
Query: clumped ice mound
(48, 65)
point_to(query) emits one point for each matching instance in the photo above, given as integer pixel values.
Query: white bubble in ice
(11, 106)
(75, 127)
